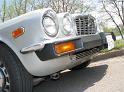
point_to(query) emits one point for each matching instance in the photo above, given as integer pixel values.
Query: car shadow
(74, 81)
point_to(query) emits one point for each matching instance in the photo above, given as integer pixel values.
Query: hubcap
(4, 79)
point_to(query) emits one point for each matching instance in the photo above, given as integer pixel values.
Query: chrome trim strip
(41, 45)
(33, 47)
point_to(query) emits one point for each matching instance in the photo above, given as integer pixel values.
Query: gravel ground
(104, 75)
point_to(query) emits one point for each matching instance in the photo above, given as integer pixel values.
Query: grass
(118, 45)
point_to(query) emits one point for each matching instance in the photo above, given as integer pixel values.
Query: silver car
(41, 44)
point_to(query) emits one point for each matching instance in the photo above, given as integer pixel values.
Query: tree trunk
(119, 29)
(4, 11)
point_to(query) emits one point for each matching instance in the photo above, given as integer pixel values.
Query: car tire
(18, 79)
(81, 66)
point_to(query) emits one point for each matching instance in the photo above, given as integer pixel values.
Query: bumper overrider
(48, 49)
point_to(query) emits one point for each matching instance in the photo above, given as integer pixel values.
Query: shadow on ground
(74, 81)
(109, 55)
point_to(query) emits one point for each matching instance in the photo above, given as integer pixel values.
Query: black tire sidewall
(20, 79)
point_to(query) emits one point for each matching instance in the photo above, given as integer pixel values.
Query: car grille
(83, 54)
(85, 25)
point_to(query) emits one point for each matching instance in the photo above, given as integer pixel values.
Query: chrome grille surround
(85, 25)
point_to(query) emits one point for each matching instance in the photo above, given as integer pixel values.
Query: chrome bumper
(87, 41)
(41, 45)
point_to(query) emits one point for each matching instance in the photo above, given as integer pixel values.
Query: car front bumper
(42, 61)
(83, 42)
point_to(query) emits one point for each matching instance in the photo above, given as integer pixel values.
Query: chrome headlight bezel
(68, 24)
(51, 15)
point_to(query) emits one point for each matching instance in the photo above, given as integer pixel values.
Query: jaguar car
(41, 44)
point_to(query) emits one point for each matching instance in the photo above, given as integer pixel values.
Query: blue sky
(1, 3)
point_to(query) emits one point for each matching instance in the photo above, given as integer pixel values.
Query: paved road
(102, 76)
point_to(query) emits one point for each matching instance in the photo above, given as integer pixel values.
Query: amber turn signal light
(64, 47)
(18, 32)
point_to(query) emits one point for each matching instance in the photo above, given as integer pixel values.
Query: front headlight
(67, 24)
(50, 23)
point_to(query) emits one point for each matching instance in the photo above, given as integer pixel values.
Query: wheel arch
(13, 49)
(7, 45)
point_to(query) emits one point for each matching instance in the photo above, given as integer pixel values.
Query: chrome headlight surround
(50, 23)
(67, 24)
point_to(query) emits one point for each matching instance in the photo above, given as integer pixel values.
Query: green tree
(118, 6)
(3, 11)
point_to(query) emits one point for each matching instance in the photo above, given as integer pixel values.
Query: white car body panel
(31, 22)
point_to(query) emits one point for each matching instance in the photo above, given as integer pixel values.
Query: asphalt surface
(106, 74)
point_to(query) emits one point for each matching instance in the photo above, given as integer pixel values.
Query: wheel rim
(4, 79)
